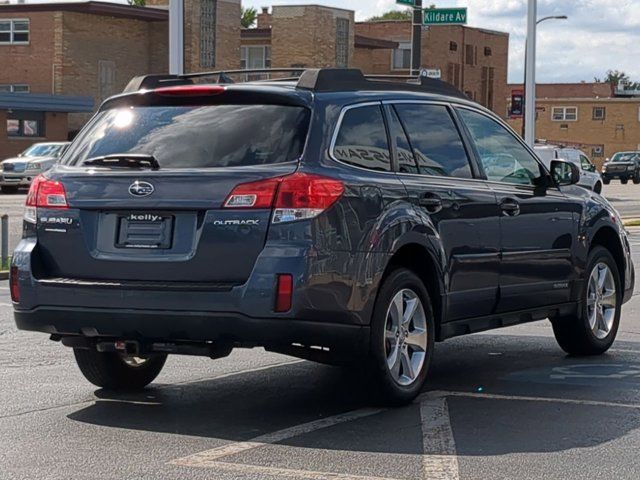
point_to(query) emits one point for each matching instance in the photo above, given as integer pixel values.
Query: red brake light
(14, 285)
(190, 90)
(294, 197)
(284, 293)
(46, 193)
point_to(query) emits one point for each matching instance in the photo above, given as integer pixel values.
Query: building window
(14, 88)
(25, 124)
(453, 74)
(255, 57)
(342, 42)
(487, 51)
(599, 113)
(208, 33)
(14, 31)
(564, 114)
(402, 57)
(470, 55)
(453, 47)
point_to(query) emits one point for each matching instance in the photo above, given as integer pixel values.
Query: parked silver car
(21, 170)
(589, 176)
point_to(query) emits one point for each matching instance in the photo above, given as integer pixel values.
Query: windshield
(196, 136)
(44, 150)
(626, 157)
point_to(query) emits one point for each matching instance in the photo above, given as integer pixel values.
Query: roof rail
(315, 79)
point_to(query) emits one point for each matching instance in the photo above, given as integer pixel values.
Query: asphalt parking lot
(505, 404)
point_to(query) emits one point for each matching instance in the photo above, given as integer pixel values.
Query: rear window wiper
(124, 160)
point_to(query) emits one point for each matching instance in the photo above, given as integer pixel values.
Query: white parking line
(5, 304)
(439, 460)
(209, 457)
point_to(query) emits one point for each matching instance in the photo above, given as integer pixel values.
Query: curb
(631, 222)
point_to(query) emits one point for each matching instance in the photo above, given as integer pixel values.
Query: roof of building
(368, 42)
(569, 90)
(42, 102)
(91, 7)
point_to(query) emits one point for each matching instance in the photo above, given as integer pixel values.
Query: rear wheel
(636, 178)
(624, 181)
(117, 371)
(402, 337)
(606, 181)
(594, 329)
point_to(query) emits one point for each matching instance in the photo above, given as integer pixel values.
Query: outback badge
(141, 189)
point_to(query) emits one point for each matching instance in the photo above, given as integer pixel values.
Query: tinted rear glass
(197, 136)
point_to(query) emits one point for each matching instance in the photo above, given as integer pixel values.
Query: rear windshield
(196, 136)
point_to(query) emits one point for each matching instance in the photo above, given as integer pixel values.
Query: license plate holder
(145, 231)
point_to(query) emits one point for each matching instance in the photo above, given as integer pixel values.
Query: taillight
(44, 193)
(14, 285)
(284, 293)
(295, 197)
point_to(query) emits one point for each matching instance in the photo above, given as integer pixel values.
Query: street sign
(411, 3)
(431, 73)
(444, 16)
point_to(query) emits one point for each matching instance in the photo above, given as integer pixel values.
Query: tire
(111, 370)
(9, 189)
(400, 385)
(578, 335)
(624, 181)
(636, 178)
(606, 181)
(597, 188)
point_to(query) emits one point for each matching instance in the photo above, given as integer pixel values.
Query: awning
(42, 102)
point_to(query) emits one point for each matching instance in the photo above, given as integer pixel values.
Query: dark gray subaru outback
(331, 217)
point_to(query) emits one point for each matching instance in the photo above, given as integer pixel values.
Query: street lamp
(529, 118)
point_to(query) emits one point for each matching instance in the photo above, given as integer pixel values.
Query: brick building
(589, 116)
(475, 60)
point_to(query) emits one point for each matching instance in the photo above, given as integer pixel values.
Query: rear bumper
(185, 326)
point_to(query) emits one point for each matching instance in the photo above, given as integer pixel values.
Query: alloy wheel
(601, 300)
(405, 337)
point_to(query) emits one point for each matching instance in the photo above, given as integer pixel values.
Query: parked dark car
(623, 165)
(333, 218)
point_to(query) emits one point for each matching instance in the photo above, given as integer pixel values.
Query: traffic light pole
(416, 39)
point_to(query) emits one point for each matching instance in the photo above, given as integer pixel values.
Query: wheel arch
(608, 238)
(418, 258)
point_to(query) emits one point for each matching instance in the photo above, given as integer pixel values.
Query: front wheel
(594, 329)
(636, 178)
(606, 181)
(115, 371)
(402, 337)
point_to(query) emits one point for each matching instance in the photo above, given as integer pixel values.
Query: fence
(4, 242)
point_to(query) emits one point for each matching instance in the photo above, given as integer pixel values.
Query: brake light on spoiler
(298, 196)
(44, 193)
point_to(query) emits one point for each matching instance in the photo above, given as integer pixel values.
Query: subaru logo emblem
(141, 189)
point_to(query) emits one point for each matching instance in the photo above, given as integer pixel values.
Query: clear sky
(599, 34)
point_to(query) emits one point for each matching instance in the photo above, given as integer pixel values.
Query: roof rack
(314, 79)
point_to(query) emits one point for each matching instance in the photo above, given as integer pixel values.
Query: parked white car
(589, 176)
(18, 172)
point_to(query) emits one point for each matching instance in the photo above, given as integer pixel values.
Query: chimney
(264, 18)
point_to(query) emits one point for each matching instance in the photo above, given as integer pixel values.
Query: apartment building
(591, 116)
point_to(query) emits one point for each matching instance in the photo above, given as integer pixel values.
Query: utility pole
(176, 37)
(416, 39)
(530, 76)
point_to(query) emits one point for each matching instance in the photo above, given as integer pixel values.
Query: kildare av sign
(445, 16)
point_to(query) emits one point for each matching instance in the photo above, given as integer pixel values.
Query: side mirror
(565, 173)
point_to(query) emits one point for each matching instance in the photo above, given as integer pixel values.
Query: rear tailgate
(170, 224)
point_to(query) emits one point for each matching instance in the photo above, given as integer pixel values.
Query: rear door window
(362, 139)
(436, 142)
(197, 136)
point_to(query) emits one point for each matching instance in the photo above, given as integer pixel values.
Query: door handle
(510, 207)
(431, 202)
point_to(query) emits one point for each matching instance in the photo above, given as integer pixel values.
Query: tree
(392, 15)
(614, 77)
(137, 3)
(248, 17)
